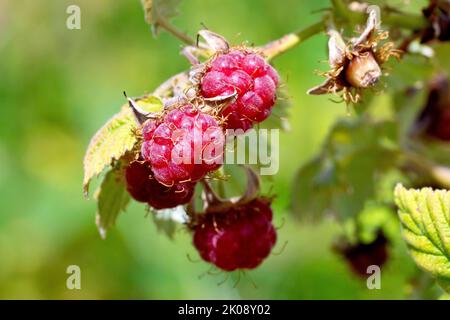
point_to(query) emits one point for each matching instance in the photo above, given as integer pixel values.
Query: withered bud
(356, 66)
(363, 71)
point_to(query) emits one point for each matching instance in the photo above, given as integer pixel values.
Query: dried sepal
(214, 203)
(356, 66)
(329, 86)
(214, 41)
(190, 53)
(139, 113)
(372, 25)
(336, 49)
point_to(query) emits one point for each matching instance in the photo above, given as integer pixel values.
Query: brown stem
(166, 25)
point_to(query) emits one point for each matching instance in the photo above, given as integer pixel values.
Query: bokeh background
(58, 86)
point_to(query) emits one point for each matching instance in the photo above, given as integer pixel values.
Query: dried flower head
(356, 65)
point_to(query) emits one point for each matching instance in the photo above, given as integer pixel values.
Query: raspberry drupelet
(251, 78)
(183, 146)
(240, 237)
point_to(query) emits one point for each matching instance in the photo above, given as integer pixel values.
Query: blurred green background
(58, 86)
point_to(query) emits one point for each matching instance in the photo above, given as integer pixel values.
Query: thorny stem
(163, 23)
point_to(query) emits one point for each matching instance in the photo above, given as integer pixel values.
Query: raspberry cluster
(183, 146)
(247, 75)
(240, 237)
(186, 142)
(144, 188)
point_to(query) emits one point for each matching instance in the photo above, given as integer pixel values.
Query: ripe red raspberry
(240, 237)
(183, 146)
(251, 77)
(144, 188)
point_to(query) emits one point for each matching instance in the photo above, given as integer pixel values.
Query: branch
(288, 41)
(341, 10)
(166, 25)
(389, 18)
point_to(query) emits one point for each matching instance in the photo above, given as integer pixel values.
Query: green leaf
(343, 178)
(425, 219)
(155, 10)
(167, 220)
(313, 189)
(412, 70)
(112, 197)
(109, 144)
(442, 50)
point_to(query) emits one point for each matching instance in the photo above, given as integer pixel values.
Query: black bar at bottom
(226, 309)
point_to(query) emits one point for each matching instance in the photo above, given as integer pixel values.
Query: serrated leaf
(109, 144)
(112, 197)
(425, 220)
(159, 9)
(167, 220)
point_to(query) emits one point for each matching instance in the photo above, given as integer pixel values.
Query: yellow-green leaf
(150, 103)
(425, 219)
(110, 143)
(112, 197)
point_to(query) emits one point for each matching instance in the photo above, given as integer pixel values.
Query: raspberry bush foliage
(388, 71)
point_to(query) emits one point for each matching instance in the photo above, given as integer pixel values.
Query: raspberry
(183, 146)
(143, 188)
(362, 255)
(240, 237)
(251, 77)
